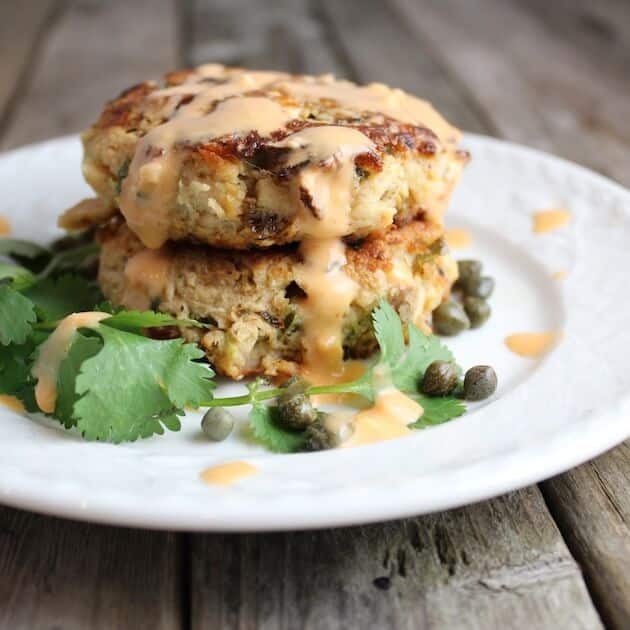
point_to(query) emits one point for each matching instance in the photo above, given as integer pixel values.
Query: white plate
(547, 416)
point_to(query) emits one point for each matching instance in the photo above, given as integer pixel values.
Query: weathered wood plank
(55, 573)
(21, 26)
(597, 29)
(281, 35)
(380, 47)
(539, 90)
(62, 574)
(499, 564)
(592, 507)
(95, 50)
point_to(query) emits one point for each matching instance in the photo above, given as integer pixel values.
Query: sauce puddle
(227, 474)
(532, 345)
(388, 418)
(458, 238)
(550, 220)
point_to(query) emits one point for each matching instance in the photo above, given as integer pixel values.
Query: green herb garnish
(117, 384)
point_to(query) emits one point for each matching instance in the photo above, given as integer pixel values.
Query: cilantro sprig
(117, 384)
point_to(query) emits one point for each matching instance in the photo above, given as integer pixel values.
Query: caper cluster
(469, 307)
(441, 379)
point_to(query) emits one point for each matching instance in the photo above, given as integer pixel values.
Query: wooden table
(554, 75)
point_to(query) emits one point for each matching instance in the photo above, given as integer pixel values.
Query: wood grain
(592, 507)
(95, 50)
(55, 573)
(379, 46)
(499, 564)
(281, 35)
(62, 574)
(21, 28)
(539, 89)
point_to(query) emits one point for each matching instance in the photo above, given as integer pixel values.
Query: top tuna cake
(237, 159)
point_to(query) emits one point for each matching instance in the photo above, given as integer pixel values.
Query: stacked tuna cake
(276, 209)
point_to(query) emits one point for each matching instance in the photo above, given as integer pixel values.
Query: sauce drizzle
(53, 351)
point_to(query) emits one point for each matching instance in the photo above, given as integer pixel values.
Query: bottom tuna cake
(250, 300)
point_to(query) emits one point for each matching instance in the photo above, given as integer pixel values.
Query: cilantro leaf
(388, 332)
(81, 350)
(437, 410)
(135, 386)
(20, 277)
(55, 298)
(266, 430)
(135, 321)
(16, 362)
(16, 316)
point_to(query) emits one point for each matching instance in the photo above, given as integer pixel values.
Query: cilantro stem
(245, 399)
(268, 394)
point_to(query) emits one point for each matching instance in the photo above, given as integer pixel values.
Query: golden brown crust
(252, 298)
(234, 191)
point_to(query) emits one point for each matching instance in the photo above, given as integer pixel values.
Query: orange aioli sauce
(550, 220)
(387, 419)
(5, 226)
(147, 276)
(227, 474)
(149, 192)
(226, 104)
(53, 351)
(11, 402)
(532, 345)
(458, 238)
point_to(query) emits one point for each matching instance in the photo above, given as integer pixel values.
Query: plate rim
(542, 464)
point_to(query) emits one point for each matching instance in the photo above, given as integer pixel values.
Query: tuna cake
(257, 304)
(239, 159)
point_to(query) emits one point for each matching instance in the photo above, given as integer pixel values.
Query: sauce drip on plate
(532, 344)
(227, 474)
(458, 238)
(550, 220)
(386, 419)
(5, 226)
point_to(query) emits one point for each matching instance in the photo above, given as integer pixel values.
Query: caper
(478, 311)
(295, 411)
(439, 379)
(217, 423)
(480, 382)
(318, 438)
(481, 287)
(468, 269)
(449, 318)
